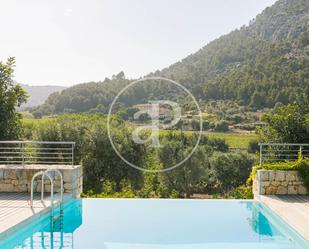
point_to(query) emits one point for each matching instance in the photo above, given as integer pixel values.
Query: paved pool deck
(293, 209)
(15, 209)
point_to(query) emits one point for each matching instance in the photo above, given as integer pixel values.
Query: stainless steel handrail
(51, 188)
(292, 144)
(37, 152)
(274, 152)
(61, 183)
(43, 174)
(36, 142)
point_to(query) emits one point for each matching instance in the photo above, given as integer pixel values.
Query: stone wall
(17, 178)
(278, 182)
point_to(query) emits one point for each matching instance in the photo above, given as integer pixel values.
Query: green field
(234, 140)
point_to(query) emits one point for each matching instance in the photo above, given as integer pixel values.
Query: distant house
(148, 108)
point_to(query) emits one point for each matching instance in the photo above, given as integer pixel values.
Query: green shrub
(304, 172)
(222, 126)
(231, 169)
(253, 146)
(241, 192)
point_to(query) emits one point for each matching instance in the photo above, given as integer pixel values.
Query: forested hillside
(257, 65)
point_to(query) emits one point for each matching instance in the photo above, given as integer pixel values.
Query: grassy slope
(239, 141)
(234, 140)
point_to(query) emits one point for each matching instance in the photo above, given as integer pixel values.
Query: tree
(288, 123)
(257, 100)
(185, 178)
(11, 96)
(222, 126)
(253, 146)
(128, 113)
(231, 169)
(120, 76)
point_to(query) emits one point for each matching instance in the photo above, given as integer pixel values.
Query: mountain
(39, 94)
(257, 65)
(260, 64)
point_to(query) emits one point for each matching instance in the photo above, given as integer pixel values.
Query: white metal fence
(36, 152)
(275, 152)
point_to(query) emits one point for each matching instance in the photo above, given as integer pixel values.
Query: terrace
(38, 167)
(282, 191)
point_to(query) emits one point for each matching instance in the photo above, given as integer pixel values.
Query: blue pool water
(159, 224)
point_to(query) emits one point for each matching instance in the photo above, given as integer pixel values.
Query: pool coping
(269, 202)
(288, 230)
(167, 199)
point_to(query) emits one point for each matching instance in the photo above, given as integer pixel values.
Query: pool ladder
(43, 174)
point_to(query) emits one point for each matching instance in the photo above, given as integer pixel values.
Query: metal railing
(276, 152)
(36, 152)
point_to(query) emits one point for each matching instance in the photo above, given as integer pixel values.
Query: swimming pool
(158, 224)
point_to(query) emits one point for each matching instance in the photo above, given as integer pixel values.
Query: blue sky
(65, 42)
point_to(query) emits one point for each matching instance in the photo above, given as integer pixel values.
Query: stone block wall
(17, 178)
(278, 182)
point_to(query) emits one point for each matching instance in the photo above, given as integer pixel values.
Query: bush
(207, 125)
(195, 124)
(247, 127)
(218, 144)
(253, 146)
(222, 126)
(231, 169)
(241, 192)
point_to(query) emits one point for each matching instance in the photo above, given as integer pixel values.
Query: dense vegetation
(288, 124)
(257, 65)
(211, 170)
